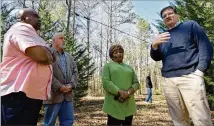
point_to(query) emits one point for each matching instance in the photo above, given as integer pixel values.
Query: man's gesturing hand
(161, 38)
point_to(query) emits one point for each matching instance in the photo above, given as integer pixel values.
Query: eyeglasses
(169, 14)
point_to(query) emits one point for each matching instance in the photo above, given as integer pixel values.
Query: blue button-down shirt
(63, 64)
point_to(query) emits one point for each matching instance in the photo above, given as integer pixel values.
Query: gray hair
(57, 35)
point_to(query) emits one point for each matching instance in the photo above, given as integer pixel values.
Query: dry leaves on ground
(155, 114)
(147, 114)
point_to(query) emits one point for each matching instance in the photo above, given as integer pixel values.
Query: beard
(62, 46)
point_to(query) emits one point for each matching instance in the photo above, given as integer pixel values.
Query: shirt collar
(175, 25)
(166, 29)
(58, 51)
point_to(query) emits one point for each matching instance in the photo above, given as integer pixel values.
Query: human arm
(40, 55)
(135, 84)
(58, 86)
(30, 43)
(107, 84)
(134, 87)
(74, 76)
(155, 52)
(204, 47)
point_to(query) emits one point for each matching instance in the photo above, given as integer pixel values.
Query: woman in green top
(120, 83)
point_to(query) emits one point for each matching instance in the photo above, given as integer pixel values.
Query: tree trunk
(74, 21)
(68, 2)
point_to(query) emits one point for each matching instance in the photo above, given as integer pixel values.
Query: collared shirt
(18, 71)
(63, 64)
(177, 24)
(174, 26)
(166, 29)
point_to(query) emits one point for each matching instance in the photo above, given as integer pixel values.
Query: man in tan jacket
(64, 80)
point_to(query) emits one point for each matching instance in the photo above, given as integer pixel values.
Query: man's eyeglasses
(166, 15)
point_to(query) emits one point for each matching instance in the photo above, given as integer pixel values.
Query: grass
(155, 114)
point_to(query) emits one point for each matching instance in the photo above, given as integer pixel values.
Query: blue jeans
(64, 110)
(149, 96)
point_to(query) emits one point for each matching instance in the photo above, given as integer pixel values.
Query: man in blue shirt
(65, 79)
(186, 53)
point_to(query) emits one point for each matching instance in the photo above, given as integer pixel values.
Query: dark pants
(18, 109)
(115, 122)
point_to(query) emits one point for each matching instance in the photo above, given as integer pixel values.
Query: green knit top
(118, 76)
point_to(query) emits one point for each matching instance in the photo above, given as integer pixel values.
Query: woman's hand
(123, 94)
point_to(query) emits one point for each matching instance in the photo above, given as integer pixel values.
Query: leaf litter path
(155, 114)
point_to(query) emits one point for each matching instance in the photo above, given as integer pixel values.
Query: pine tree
(85, 67)
(48, 26)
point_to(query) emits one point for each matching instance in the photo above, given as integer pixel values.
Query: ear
(27, 19)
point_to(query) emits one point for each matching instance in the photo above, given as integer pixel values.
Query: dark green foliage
(48, 26)
(85, 67)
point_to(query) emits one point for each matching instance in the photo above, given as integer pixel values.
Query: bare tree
(118, 12)
(68, 3)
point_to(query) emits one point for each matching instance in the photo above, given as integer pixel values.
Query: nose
(120, 53)
(167, 15)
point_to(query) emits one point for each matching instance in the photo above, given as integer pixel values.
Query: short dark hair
(113, 48)
(168, 7)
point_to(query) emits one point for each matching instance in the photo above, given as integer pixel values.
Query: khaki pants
(186, 96)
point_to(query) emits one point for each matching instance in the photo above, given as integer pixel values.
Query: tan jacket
(59, 80)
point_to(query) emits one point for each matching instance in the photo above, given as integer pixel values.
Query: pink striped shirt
(18, 71)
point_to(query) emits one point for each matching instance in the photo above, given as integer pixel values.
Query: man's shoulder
(13, 29)
(189, 22)
(20, 27)
(192, 24)
(68, 54)
(23, 26)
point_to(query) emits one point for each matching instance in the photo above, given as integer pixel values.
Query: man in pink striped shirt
(26, 71)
